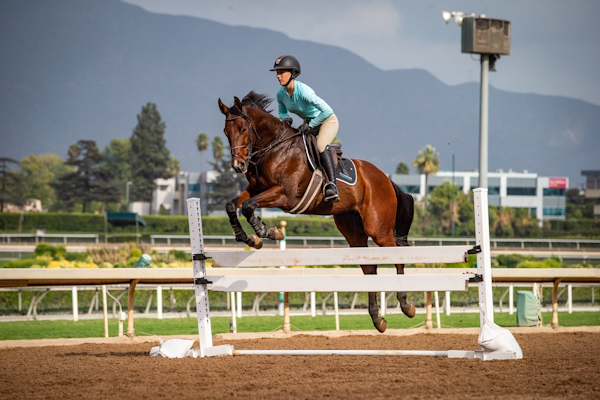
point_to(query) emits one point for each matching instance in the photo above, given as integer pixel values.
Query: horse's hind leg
(388, 240)
(350, 225)
(407, 307)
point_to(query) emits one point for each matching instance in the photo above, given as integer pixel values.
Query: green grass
(188, 326)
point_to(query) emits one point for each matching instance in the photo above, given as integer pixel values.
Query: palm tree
(428, 163)
(202, 143)
(402, 169)
(174, 167)
(218, 149)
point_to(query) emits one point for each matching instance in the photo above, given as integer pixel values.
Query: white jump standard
(270, 281)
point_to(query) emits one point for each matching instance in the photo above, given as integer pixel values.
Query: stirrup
(335, 197)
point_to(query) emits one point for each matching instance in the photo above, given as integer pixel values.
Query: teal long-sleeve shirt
(304, 103)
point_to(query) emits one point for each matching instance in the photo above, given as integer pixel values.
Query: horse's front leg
(240, 235)
(272, 197)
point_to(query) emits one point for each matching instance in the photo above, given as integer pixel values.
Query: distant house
(31, 205)
(170, 195)
(544, 197)
(592, 188)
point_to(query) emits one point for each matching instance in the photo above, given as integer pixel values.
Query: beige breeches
(327, 132)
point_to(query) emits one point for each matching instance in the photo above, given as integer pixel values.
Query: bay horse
(272, 156)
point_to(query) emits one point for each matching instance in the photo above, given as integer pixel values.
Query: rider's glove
(304, 128)
(288, 121)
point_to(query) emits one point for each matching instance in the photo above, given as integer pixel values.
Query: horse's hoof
(275, 234)
(409, 311)
(381, 326)
(255, 241)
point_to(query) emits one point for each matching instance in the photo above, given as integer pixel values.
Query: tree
(442, 210)
(39, 173)
(12, 187)
(174, 167)
(202, 141)
(117, 156)
(149, 154)
(227, 184)
(428, 163)
(402, 169)
(90, 181)
(218, 149)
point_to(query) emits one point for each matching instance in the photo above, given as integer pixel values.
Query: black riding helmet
(289, 63)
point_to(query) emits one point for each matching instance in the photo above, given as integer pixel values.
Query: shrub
(180, 255)
(45, 249)
(83, 257)
(513, 260)
(27, 263)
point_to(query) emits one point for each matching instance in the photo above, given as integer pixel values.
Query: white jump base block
(341, 283)
(228, 350)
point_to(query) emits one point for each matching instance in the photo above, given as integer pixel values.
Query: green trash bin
(527, 308)
(144, 261)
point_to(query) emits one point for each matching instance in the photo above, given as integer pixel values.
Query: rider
(300, 99)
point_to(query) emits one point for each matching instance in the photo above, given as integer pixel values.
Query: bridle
(262, 151)
(250, 145)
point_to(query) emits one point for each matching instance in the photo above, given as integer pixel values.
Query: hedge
(156, 224)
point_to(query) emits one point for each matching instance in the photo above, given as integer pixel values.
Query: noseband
(251, 128)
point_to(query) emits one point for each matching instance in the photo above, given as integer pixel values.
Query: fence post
(484, 260)
(159, 303)
(75, 305)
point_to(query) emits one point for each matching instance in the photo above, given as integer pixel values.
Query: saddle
(344, 167)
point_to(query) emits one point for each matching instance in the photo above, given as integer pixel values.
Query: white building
(544, 197)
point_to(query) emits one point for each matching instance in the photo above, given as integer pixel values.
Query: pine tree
(149, 154)
(91, 180)
(12, 188)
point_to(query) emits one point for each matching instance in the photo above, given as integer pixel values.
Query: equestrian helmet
(289, 63)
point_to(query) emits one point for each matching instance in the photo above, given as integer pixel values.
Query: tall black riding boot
(330, 192)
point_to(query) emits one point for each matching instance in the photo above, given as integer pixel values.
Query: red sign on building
(557, 183)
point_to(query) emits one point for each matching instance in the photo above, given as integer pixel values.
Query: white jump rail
(341, 283)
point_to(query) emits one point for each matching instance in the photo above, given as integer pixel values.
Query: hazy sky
(555, 47)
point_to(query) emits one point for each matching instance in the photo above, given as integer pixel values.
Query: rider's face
(283, 76)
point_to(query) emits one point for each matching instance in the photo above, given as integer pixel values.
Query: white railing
(338, 241)
(65, 238)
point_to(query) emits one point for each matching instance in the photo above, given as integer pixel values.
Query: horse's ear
(224, 109)
(238, 103)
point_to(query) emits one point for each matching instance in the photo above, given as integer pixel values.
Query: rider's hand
(304, 128)
(288, 121)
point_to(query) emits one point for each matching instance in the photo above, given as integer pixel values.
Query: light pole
(489, 38)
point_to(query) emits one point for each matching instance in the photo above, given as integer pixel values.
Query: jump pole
(340, 283)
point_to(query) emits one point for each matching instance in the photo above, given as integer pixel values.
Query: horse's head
(239, 132)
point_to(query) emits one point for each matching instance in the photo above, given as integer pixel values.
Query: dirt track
(555, 365)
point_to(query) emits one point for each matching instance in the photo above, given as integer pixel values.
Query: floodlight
(458, 18)
(447, 16)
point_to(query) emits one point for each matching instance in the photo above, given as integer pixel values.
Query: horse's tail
(404, 215)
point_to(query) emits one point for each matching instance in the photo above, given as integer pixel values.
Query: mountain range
(82, 69)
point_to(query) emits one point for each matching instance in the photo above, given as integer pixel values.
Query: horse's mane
(261, 101)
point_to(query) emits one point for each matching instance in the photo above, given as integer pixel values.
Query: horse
(272, 156)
